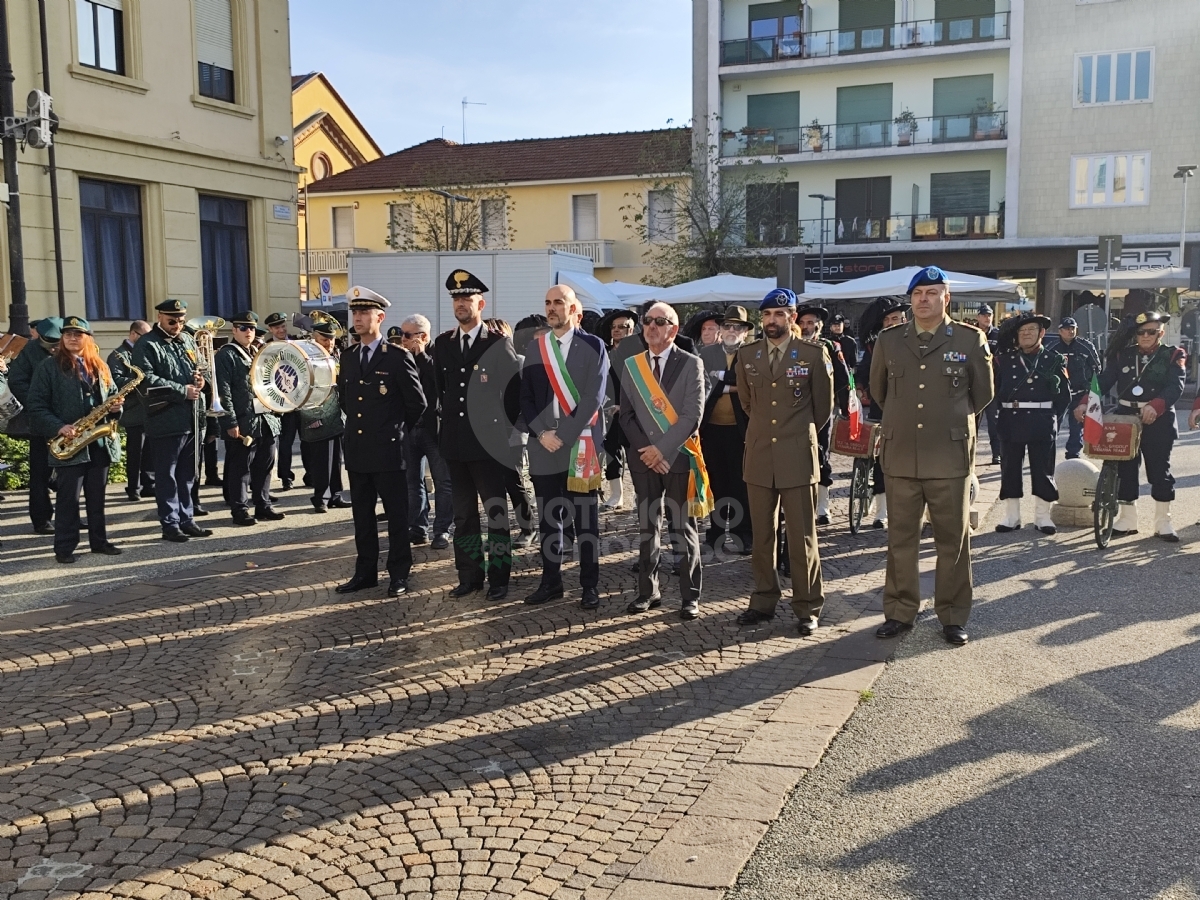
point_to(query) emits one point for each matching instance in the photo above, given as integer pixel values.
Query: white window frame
(1093, 160)
(663, 232)
(574, 218)
(333, 226)
(1134, 51)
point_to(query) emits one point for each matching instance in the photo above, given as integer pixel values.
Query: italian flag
(1093, 421)
(854, 407)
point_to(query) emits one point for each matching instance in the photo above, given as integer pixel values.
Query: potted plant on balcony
(815, 135)
(988, 121)
(906, 127)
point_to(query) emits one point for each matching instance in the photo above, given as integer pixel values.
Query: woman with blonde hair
(66, 386)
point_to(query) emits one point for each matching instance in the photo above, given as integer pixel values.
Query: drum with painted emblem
(287, 376)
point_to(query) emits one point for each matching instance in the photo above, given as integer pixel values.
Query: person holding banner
(562, 389)
(662, 400)
(786, 388)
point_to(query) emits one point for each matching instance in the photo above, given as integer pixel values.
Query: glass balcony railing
(867, 229)
(815, 139)
(825, 44)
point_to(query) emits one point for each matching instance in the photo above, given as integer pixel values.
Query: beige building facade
(174, 153)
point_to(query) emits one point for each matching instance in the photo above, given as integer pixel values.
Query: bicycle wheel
(1104, 507)
(860, 493)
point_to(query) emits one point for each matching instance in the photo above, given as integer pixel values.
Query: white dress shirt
(564, 344)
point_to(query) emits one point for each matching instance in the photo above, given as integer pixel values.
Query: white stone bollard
(1074, 507)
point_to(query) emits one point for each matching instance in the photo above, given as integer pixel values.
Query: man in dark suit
(723, 435)
(381, 394)
(479, 386)
(562, 390)
(663, 456)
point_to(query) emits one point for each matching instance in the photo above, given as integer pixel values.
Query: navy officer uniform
(479, 386)
(1032, 393)
(381, 394)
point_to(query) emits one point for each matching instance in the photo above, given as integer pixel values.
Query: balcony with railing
(866, 229)
(599, 252)
(326, 262)
(854, 41)
(814, 139)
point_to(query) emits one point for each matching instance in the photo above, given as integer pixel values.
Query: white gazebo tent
(637, 292)
(1130, 279)
(592, 293)
(724, 288)
(895, 284)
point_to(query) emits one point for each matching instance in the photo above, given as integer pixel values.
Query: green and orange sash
(699, 496)
(584, 474)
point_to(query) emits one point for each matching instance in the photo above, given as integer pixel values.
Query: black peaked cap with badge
(461, 283)
(276, 318)
(172, 307)
(245, 317)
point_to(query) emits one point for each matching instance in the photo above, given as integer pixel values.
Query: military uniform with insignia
(479, 385)
(930, 385)
(786, 391)
(139, 466)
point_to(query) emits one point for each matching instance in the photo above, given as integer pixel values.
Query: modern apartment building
(997, 137)
(174, 159)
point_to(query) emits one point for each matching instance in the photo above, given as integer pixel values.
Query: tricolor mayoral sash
(700, 499)
(584, 474)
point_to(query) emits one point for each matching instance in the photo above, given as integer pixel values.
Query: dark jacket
(433, 403)
(862, 381)
(481, 397)
(849, 348)
(57, 398)
(683, 382)
(1082, 362)
(720, 374)
(1157, 381)
(133, 414)
(20, 373)
(1030, 378)
(380, 405)
(587, 365)
(237, 399)
(169, 364)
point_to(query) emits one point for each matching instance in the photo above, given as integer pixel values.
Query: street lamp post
(1184, 172)
(452, 200)
(824, 198)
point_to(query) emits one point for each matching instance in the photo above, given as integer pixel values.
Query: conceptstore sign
(844, 268)
(1131, 258)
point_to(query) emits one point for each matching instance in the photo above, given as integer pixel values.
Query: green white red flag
(854, 407)
(1093, 421)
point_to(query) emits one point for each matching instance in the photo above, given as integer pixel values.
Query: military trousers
(289, 427)
(1157, 441)
(41, 509)
(949, 513)
(390, 488)
(799, 506)
(1041, 470)
(473, 482)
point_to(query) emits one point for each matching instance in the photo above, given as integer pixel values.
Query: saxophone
(92, 427)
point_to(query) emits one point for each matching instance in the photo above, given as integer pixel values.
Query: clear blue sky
(543, 68)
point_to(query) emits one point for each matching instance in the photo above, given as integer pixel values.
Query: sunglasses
(623, 326)
(660, 321)
(1147, 332)
(244, 327)
(412, 334)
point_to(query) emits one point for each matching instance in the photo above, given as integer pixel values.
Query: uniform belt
(1134, 404)
(1021, 404)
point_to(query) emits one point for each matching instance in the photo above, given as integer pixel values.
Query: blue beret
(928, 275)
(780, 297)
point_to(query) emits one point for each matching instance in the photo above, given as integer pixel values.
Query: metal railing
(599, 252)
(326, 262)
(844, 42)
(981, 126)
(967, 226)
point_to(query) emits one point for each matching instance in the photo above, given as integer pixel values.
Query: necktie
(366, 356)
(775, 354)
(466, 343)
(658, 369)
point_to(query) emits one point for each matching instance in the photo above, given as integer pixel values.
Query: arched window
(320, 167)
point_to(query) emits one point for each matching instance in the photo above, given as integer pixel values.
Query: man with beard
(723, 435)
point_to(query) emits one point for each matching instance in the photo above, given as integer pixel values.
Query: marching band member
(44, 338)
(139, 467)
(249, 435)
(785, 387)
(1149, 377)
(168, 358)
(477, 378)
(277, 324)
(380, 392)
(67, 386)
(321, 436)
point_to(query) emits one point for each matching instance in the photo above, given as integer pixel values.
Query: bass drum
(290, 375)
(10, 406)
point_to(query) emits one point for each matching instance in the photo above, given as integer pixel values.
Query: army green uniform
(787, 404)
(930, 391)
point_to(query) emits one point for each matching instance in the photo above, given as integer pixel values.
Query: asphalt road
(1057, 755)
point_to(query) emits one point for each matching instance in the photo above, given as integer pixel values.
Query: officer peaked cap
(462, 283)
(172, 307)
(76, 323)
(276, 318)
(359, 297)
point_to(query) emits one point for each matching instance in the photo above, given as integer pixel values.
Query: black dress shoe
(892, 627)
(995, 460)
(245, 520)
(199, 511)
(440, 542)
(64, 558)
(213, 481)
(465, 590)
(498, 592)
(319, 506)
(636, 567)
(590, 599)
(1169, 538)
(269, 515)
(955, 634)
(285, 484)
(754, 616)
(1047, 529)
(148, 493)
(194, 530)
(357, 583)
(823, 520)
(690, 610)
(543, 594)
(397, 586)
(417, 537)
(336, 502)
(641, 604)
(108, 550)
(175, 536)
(133, 495)
(382, 517)
(808, 627)
(44, 528)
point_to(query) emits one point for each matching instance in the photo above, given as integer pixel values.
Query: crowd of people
(720, 432)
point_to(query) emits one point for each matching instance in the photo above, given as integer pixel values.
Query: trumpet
(206, 328)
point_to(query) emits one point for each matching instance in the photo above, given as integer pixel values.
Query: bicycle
(1121, 439)
(862, 450)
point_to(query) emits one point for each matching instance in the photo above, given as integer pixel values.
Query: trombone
(205, 329)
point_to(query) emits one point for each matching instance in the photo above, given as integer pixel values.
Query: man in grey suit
(658, 462)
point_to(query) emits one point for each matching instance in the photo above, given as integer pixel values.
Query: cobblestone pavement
(239, 730)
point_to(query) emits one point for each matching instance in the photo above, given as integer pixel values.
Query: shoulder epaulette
(893, 327)
(969, 325)
(445, 334)
(814, 342)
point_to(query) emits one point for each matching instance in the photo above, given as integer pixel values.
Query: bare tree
(452, 210)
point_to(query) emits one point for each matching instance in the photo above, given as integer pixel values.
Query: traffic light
(37, 130)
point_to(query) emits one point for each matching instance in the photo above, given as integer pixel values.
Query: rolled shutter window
(214, 33)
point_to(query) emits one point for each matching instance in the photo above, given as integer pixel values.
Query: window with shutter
(101, 35)
(863, 208)
(959, 193)
(493, 224)
(959, 104)
(660, 206)
(343, 227)
(585, 221)
(864, 116)
(214, 48)
(773, 123)
(401, 225)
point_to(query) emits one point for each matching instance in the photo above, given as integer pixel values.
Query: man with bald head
(562, 389)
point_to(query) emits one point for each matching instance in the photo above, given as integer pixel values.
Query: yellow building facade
(174, 159)
(573, 194)
(328, 139)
